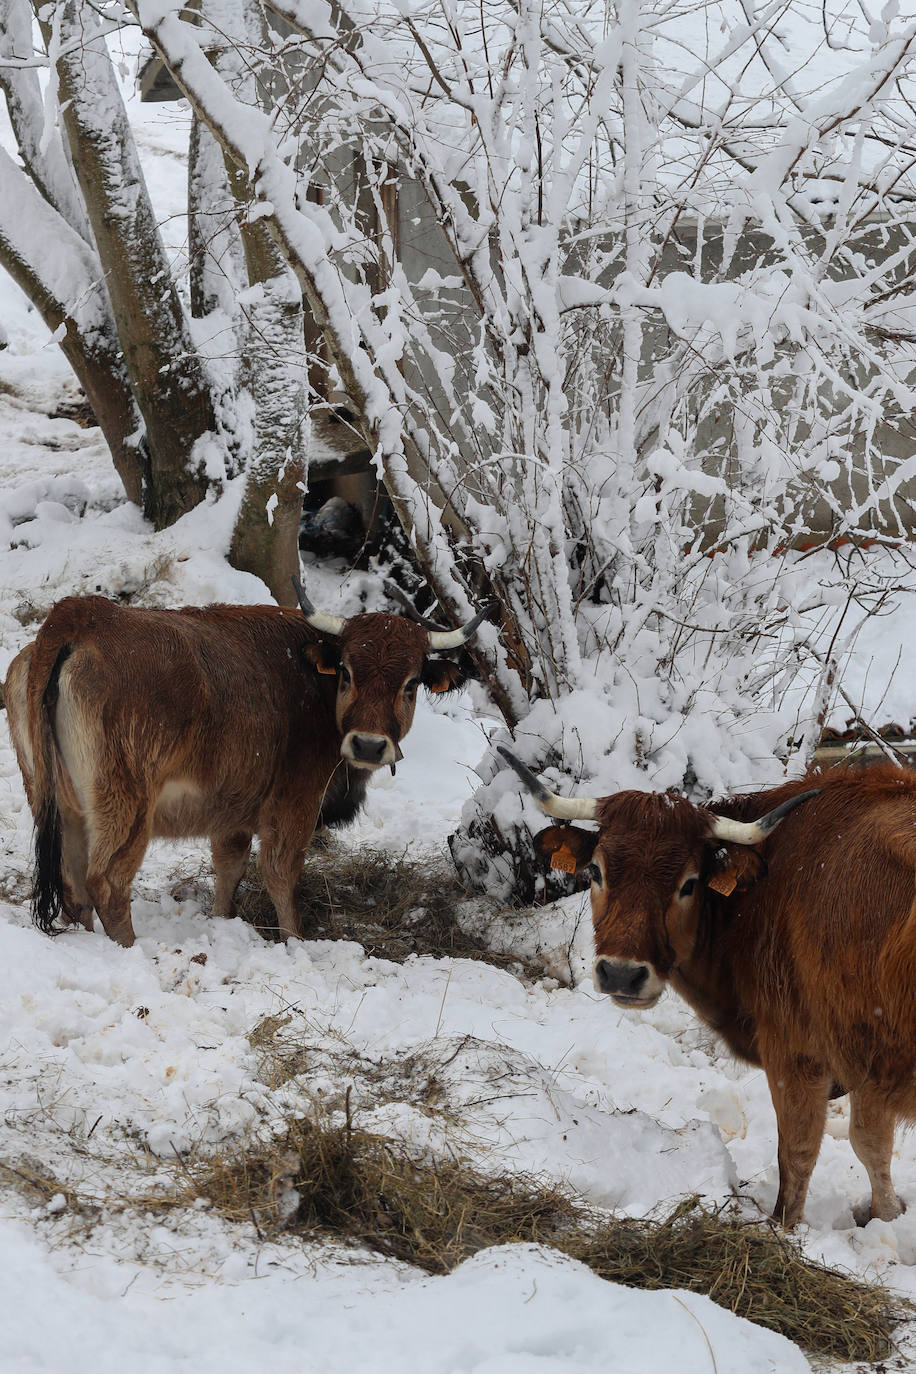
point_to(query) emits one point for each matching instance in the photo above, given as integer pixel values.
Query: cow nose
(621, 978)
(368, 748)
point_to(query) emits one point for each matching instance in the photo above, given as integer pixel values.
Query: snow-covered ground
(112, 1060)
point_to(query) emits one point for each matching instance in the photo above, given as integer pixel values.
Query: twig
(884, 745)
(712, 1353)
(442, 1004)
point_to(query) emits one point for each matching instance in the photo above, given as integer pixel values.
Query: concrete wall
(453, 325)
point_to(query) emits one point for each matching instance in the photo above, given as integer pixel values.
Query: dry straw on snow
(349, 1185)
(392, 907)
(328, 1179)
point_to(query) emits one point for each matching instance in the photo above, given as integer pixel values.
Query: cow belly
(182, 809)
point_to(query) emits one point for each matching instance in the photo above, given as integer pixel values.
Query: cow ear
(733, 868)
(441, 675)
(568, 847)
(325, 657)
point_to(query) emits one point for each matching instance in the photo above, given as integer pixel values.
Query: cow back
(821, 950)
(209, 709)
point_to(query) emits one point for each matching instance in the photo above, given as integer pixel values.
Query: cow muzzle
(369, 750)
(630, 983)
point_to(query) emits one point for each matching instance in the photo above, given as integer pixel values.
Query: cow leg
(230, 862)
(285, 836)
(281, 864)
(115, 854)
(800, 1095)
(74, 861)
(871, 1135)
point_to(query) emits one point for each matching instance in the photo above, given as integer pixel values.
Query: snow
(113, 1061)
(105, 1053)
(503, 1312)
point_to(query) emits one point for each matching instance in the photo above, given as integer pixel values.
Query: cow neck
(706, 979)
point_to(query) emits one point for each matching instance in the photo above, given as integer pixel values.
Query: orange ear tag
(724, 882)
(563, 859)
(326, 672)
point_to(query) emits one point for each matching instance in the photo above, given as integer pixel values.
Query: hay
(367, 1190)
(392, 907)
(32, 1178)
(755, 1270)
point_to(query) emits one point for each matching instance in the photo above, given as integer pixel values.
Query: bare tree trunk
(265, 540)
(266, 536)
(73, 298)
(168, 382)
(40, 146)
(216, 261)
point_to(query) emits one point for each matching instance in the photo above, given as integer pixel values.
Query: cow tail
(47, 886)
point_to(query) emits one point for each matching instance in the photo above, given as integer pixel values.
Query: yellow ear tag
(724, 882)
(563, 859)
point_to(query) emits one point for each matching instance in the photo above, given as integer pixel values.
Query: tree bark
(274, 370)
(40, 147)
(216, 263)
(168, 382)
(68, 291)
(266, 536)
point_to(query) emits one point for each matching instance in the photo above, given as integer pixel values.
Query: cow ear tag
(325, 670)
(563, 859)
(725, 882)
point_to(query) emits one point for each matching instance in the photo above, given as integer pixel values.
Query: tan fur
(15, 690)
(132, 723)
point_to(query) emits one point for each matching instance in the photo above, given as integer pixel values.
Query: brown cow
(224, 721)
(798, 947)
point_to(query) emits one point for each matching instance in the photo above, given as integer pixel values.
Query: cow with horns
(221, 721)
(797, 945)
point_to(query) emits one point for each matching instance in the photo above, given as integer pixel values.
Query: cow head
(651, 861)
(379, 661)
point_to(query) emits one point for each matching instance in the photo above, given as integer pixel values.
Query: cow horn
(453, 639)
(562, 808)
(326, 624)
(752, 832)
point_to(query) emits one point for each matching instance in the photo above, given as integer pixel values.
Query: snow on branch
(625, 312)
(309, 240)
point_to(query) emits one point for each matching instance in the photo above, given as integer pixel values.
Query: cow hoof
(894, 1208)
(864, 1212)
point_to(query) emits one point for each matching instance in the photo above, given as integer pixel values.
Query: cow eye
(688, 888)
(594, 873)
(345, 678)
(411, 685)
